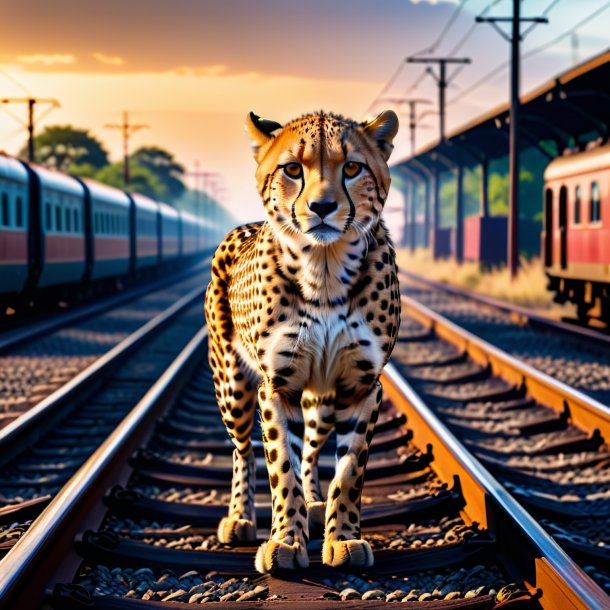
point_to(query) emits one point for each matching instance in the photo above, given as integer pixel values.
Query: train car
(61, 216)
(170, 233)
(109, 211)
(203, 237)
(14, 224)
(188, 233)
(147, 237)
(576, 237)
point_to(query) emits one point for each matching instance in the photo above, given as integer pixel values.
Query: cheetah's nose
(323, 208)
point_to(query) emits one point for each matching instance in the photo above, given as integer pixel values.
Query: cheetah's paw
(344, 553)
(232, 530)
(274, 555)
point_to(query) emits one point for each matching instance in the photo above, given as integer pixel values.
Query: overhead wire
(545, 12)
(452, 18)
(15, 81)
(467, 36)
(567, 33)
(504, 65)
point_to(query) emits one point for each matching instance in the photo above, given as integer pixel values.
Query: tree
(63, 147)
(162, 163)
(141, 179)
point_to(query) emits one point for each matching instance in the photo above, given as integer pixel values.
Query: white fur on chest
(325, 350)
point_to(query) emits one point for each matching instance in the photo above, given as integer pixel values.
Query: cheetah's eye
(293, 170)
(351, 169)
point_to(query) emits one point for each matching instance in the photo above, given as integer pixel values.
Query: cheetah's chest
(326, 347)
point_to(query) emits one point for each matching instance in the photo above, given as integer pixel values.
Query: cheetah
(303, 312)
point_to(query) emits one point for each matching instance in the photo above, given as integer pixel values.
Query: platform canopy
(566, 112)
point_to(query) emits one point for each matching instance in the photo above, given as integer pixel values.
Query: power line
(467, 36)
(544, 13)
(15, 82)
(127, 129)
(515, 66)
(454, 15)
(413, 118)
(501, 67)
(452, 18)
(386, 87)
(441, 80)
(462, 41)
(559, 38)
(30, 124)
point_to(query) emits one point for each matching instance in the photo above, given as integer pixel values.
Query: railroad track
(37, 359)
(41, 451)
(576, 356)
(134, 528)
(519, 315)
(544, 441)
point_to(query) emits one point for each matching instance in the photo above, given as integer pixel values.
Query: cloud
(47, 60)
(213, 70)
(111, 60)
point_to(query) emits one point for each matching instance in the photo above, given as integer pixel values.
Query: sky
(192, 69)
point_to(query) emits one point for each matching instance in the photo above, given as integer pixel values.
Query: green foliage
(163, 165)
(83, 170)
(61, 147)
(141, 179)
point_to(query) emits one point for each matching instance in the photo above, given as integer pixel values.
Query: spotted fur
(303, 312)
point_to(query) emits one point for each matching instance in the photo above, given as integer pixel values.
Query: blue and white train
(63, 237)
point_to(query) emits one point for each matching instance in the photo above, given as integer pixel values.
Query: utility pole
(204, 176)
(127, 129)
(30, 125)
(515, 60)
(413, 118)
(441, 80)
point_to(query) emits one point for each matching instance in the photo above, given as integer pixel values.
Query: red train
(61, 237)
(576, 239)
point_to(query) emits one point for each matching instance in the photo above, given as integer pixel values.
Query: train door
(563, 227)
(548, 228)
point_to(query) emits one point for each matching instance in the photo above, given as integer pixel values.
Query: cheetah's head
(322, 178)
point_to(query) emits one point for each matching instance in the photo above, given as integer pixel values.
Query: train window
(595, 205)
(5, 213)
(577, 205)
(57, 218)
(68, 220)
(19, 212)
(48, 217)
(76, 224)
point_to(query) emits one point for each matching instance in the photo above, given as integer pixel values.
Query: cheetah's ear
(382, 130)
(260, 130)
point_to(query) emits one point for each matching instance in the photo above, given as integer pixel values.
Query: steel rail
(10, 339)
(584, 411)
(59, 522)
(28, 427)
(518, 315)
(562, 583)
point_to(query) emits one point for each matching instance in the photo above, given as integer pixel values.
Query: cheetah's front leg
(287, 545)
(342, 543)
(319, 417)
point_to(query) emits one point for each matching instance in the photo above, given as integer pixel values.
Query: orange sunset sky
(192, 69)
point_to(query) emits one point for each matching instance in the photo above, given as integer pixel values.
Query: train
(64, 238)
(576, 234)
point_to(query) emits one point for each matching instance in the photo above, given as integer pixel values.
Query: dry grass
(528, 290)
